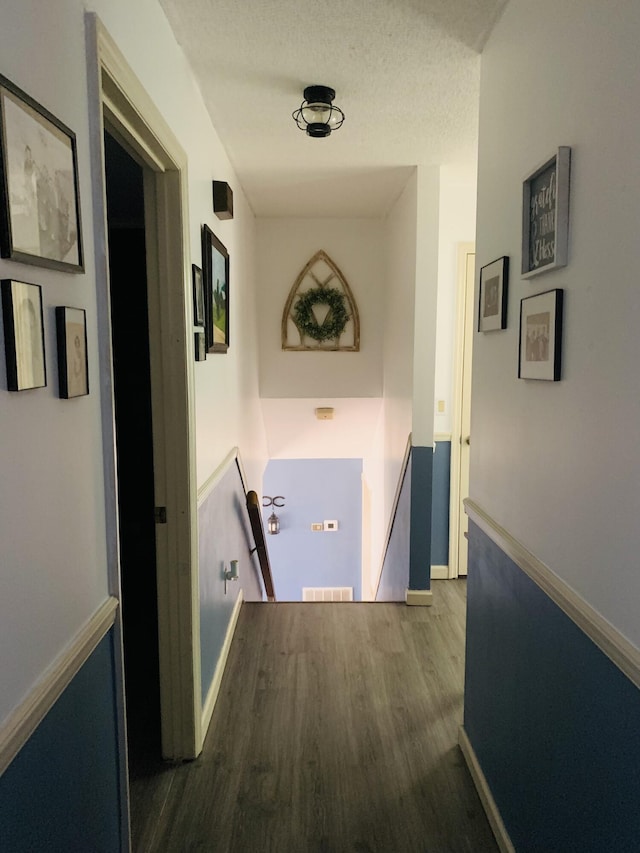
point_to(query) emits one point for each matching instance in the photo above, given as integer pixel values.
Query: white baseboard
(22, 723)
(214, 690)
(439, 573)
(484, 792)
(419, 597)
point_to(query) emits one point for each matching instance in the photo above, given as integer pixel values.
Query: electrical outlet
(441, 407)
(331, 525)
(317, 526)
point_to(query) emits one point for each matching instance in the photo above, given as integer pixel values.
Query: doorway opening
(134, 453)
(156, 243)
(461, 436)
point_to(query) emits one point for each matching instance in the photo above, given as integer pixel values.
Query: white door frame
(119, 102)
(461, 389)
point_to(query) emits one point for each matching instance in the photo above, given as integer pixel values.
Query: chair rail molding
(608, 639)
(25, 719)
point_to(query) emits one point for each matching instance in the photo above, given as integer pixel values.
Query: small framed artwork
(23, 335)
(200, 345)
(494, 285)
(73, 365)
(198, 296)
(545, 215)
(39, 198)
(215, 267)
(541, 336)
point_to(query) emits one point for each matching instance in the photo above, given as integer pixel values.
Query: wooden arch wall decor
(321, 313)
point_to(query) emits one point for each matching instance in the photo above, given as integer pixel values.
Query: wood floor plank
(336, 730)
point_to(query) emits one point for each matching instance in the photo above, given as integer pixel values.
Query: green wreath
(335, 321)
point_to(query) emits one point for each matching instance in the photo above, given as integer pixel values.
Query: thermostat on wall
(330, 525)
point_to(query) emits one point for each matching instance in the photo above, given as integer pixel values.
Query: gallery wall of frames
(545, 238)
(40, 225)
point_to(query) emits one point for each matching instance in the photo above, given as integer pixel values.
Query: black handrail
(392, 517)
(255, 517)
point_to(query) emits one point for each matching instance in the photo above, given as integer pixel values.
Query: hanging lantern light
(317, 114)
(273, 524)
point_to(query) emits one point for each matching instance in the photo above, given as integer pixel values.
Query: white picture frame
(545, 215)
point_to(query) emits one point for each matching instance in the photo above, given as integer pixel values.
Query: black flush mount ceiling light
(318, 115)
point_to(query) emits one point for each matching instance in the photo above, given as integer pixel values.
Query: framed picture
(215, 267)
(494, 285)
(545, 215)
(39, 199)
(23, 335)
(541, 336)
(198, 296)
(200, 345)
(73, 366)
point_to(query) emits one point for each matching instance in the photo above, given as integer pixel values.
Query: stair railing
(255, 518)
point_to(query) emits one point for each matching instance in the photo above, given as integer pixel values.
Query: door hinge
(160, 514)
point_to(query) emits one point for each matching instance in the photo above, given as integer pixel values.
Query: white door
(461, 438)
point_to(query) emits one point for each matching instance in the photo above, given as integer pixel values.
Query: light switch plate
(317, 526)
(331, 525)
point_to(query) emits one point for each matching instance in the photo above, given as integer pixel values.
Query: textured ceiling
(406, 74)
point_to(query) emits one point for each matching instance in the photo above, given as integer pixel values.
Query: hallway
(336, 730)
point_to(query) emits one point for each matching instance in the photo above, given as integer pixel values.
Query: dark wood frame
(200, 345)
(10, 343)
(210, 243)
(496, 269)
(65, 378)
(198, 296)
(552, 301)
(558, 169)
(43, 120)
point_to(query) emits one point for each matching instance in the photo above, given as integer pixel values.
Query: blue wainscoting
(440, 504)
(224, 534)
(407, 562)
(394, 579)
(555, 725)
(61, 792)
(315, 490)
(420, 534)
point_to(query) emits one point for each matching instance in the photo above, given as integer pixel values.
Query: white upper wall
(552, 462)
(425, 305)
(398, 333)
(283, 248)
(296, 433)
(457, 225)
(52, 524)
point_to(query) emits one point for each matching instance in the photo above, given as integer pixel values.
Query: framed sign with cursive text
(545, 215)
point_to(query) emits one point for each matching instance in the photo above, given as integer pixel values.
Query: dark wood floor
(335, 730)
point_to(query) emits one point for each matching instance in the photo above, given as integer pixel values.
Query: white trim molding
(484, 792)
(214, 690)
(441, 436)
(608, 639)
(439, 573)
(209, 485)
(419, 597)
(25, 719)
